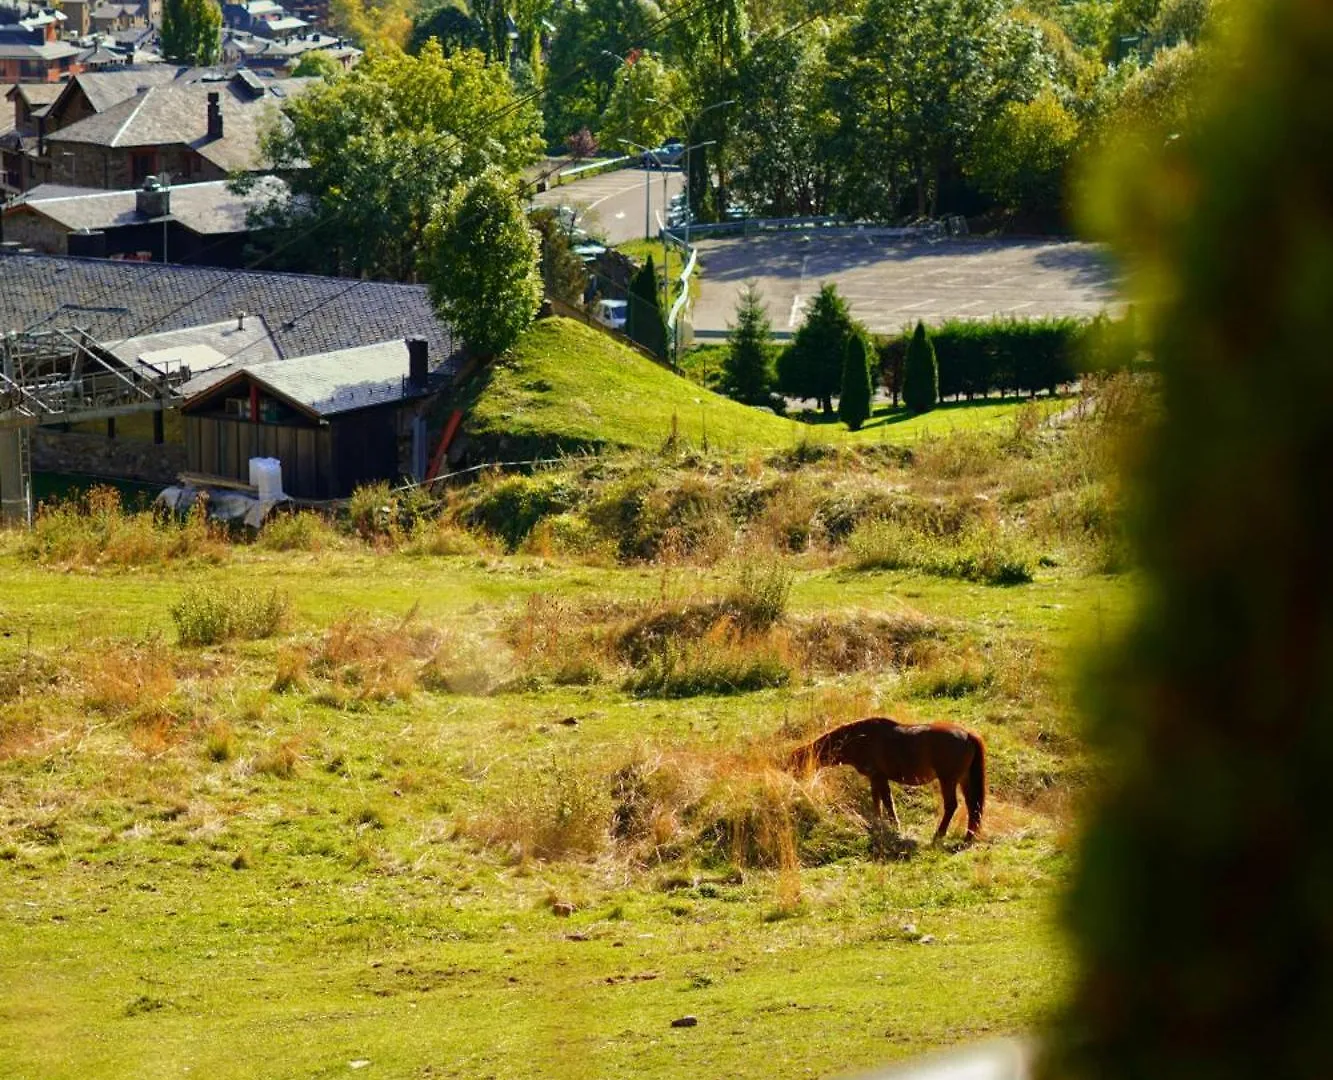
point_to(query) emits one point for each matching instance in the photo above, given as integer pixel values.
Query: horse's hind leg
(950, 793)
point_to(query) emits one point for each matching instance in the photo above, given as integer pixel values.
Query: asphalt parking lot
(890, 282)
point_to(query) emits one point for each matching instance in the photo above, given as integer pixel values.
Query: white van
(613, 313)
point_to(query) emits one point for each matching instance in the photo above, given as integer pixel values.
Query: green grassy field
(566, 386)
(488, 814)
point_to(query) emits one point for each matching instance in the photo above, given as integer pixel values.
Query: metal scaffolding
(59, 377)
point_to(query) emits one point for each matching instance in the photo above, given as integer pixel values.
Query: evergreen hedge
(1013, 356)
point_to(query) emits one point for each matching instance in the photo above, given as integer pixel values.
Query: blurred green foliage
(1203, 902)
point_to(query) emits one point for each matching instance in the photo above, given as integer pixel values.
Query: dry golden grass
(119, 677)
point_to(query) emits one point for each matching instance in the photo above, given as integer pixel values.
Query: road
(612, 203)
(891, 283)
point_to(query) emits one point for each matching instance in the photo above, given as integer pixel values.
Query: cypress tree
(747, 370)
(854, 402)
(921, 375)
(644, 321)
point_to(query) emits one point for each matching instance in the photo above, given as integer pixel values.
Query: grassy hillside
(494, 786)
(568, 387)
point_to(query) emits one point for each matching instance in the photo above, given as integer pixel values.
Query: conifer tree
(854, 401)
(811, 367)
(747, 370)
(921, 374)
(644, 321)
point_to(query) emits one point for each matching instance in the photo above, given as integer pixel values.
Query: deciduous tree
(191, 32)
(480, 260)
(370, 152)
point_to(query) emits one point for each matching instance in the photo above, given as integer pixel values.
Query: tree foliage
(451, 25)
(921, 376)
(644, 320)
(747, 368)
(370, 152)
(1198, 905)
(1019, 159)
(854, 400)
(641, 109)
(480, 260)
(582, 74)
(811, 366)
(563, 274)
(914, 80)
(191, 32)
(317, 64)
(782, 126)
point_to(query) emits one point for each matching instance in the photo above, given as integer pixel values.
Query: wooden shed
(336, 420)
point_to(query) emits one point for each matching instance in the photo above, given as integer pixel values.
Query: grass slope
(567, 386)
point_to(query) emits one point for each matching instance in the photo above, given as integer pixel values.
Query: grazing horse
(881, 750)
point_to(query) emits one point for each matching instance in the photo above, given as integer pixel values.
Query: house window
(143, 164)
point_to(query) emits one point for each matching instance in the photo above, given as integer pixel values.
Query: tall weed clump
(210, 616)
(97, 530)
(988, 554)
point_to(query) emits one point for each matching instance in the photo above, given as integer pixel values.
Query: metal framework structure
(63, 376)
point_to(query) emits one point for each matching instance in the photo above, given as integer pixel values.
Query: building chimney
(153, 200)
(240, 320)
(214, 116)
(416, 363)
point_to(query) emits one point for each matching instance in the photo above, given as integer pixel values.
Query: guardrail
(592, 168)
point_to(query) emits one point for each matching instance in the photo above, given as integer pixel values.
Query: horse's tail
(974, 787)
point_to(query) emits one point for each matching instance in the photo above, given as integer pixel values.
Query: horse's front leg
(882, 796)
(950, 793)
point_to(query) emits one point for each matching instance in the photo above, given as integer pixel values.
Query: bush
(854, 402)
(921, 380)
(983, 553)
(96, 530)
(509, 507)
(211, 616)
(302, 531)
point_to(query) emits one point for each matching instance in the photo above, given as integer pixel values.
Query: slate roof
(36, 94)
(103, 89)
(207, 208)
(340, 381)
(227, 345)
(177, 113)
(54, 50)
(306, 314)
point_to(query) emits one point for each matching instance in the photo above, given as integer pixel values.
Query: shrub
(983, 553)
(510, 506)
(758, 598)
(723, 662)
(854, 402)
(301, 531)
(96, 530)
(921, 379)
(210, 616)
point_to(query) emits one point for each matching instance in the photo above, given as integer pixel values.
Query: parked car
(613, 313)
(665, 156)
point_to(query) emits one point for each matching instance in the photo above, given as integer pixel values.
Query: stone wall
(96, 455)
(35, 230)
(87, 165)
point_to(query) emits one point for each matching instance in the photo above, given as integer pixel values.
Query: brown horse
(881, 750)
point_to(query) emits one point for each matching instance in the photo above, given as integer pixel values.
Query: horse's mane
(824, 749)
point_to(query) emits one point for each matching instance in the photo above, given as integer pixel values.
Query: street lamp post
(647, 191)
(689, 134)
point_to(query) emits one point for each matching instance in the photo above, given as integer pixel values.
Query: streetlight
(689, 134)
(647, 194)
